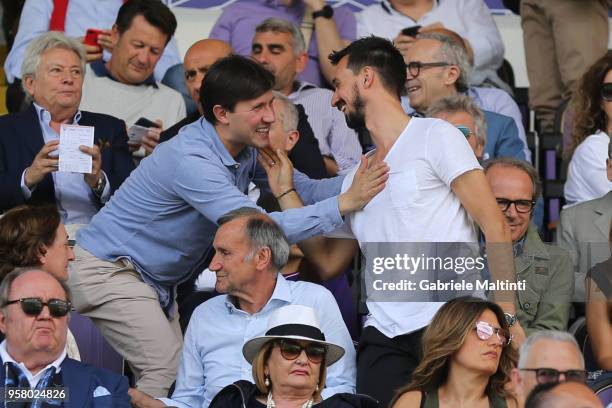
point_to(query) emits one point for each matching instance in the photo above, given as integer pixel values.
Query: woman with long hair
(588, 148)
(466, 359)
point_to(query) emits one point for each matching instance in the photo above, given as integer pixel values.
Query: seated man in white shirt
(124, 86)
(251, 249)
(471, 19)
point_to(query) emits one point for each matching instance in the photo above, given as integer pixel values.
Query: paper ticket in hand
(71, 159)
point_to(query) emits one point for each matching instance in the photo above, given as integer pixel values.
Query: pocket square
(100, 392)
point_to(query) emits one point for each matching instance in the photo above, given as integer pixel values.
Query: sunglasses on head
(34, 306)
(465, 130)
(550, 375)
(290, 350)
(484, 331)
(606, 92)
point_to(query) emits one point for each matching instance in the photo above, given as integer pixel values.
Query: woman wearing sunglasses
(289, 365)
(588, 149)
(466, 359)
(34, 236)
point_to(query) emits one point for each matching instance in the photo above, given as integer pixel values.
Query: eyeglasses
(415, 67)
(290, 350)
(34, 306)
(606, 92)
(465, 130)
(522, 206)
(484, 331)
(550, 375)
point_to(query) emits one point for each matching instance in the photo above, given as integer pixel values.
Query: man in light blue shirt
(250, 250)
(156, 230)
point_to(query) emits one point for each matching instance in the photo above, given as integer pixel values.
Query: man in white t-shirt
(434, 190)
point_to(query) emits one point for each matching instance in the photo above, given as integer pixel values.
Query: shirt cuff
(106, 192)
(25, 190)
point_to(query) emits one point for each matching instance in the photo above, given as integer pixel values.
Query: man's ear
(292, 138)
(453, 74)
(28, 84)
(221, 114)
(115, 34)
(263, 258)
(368, 76)
(2, 321)
(301, 60)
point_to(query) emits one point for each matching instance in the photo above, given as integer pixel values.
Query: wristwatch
(510, 319)
(99, 188)
(326, 12)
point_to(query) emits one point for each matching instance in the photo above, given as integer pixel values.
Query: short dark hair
(380, 54)
(154, 11)
(540, 396)
(231, 80)
(25, 231)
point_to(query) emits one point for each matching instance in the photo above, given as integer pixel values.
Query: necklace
(271, 404)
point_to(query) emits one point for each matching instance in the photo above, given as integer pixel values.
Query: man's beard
(356, 119)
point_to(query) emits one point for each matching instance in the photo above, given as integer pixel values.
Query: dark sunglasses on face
(550, 375)
(606, 92)
(34, 306)
(290, 350)
(484, 331)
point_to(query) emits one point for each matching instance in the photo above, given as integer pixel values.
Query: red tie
(58, 17)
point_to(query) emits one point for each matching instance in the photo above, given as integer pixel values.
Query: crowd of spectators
(231, 254)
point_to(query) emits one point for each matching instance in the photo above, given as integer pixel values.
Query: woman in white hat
(289, 366)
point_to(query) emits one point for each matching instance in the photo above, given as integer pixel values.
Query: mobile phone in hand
(91, 37)
(411, 31)
(146, 123)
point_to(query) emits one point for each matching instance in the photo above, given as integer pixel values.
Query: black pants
(385, 364)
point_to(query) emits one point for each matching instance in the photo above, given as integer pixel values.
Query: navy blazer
(502, 137)
(89, 386)
(21, 139)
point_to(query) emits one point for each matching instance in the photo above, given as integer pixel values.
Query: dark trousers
(385, 364)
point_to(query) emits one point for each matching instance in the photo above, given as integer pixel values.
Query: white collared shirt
(32, 378)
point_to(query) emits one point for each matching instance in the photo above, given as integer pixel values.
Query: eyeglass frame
(496, 330)
(510, 202)
(280, 342)
(557, 373)
(424, 65)
(22, 301)
(463, 129)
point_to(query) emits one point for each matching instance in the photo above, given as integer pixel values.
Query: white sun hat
(294, 322)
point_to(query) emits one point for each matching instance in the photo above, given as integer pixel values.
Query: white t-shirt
(417, 205)
(586, 176)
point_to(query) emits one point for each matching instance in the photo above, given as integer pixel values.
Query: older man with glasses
(34, 315)
(547, 356)
(546, 270)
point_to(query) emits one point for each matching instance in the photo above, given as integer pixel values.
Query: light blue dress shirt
(212, 351)
(76, 202)
(164, 216)
(80, 15)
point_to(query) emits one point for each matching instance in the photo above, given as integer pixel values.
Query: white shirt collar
(33, 379)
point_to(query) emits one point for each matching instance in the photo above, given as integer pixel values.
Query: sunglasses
(606, 92)
(33, 306)
(465, 130)
(290, 350)
(550, 375)
(484, 331)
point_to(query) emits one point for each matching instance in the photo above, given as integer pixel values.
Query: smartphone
(411, 31)
(91, 37)
(146, 123)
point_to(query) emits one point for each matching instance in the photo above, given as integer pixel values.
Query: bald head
(563, 395)
(198, 59)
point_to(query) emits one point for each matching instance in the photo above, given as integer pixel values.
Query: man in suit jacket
(34, 318)
(53, 77)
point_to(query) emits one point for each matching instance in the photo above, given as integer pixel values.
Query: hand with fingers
(42, 165)
(92, 179)
(279, 169)
(403, 42)
(369, 180)
(151, 138)
(92, 52)
(105, 40)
